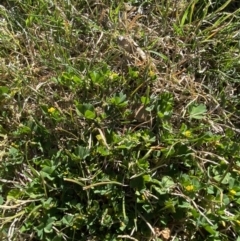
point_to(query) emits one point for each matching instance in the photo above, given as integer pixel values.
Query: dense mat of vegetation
(119, 120)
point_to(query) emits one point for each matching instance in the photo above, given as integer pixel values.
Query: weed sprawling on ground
(119, 120)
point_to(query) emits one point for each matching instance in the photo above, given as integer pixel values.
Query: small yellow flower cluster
(187, 133)
(232, 192)
(189, 188)
(51, 110)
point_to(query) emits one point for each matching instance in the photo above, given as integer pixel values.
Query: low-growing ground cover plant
(119, 120)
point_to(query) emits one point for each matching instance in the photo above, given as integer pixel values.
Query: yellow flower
(232, 192)
(189, 188)
(14, 145)
(151, 73)
(187, 133)
(238, 222)
(51, 110)
(113, 76)
(217, 143)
